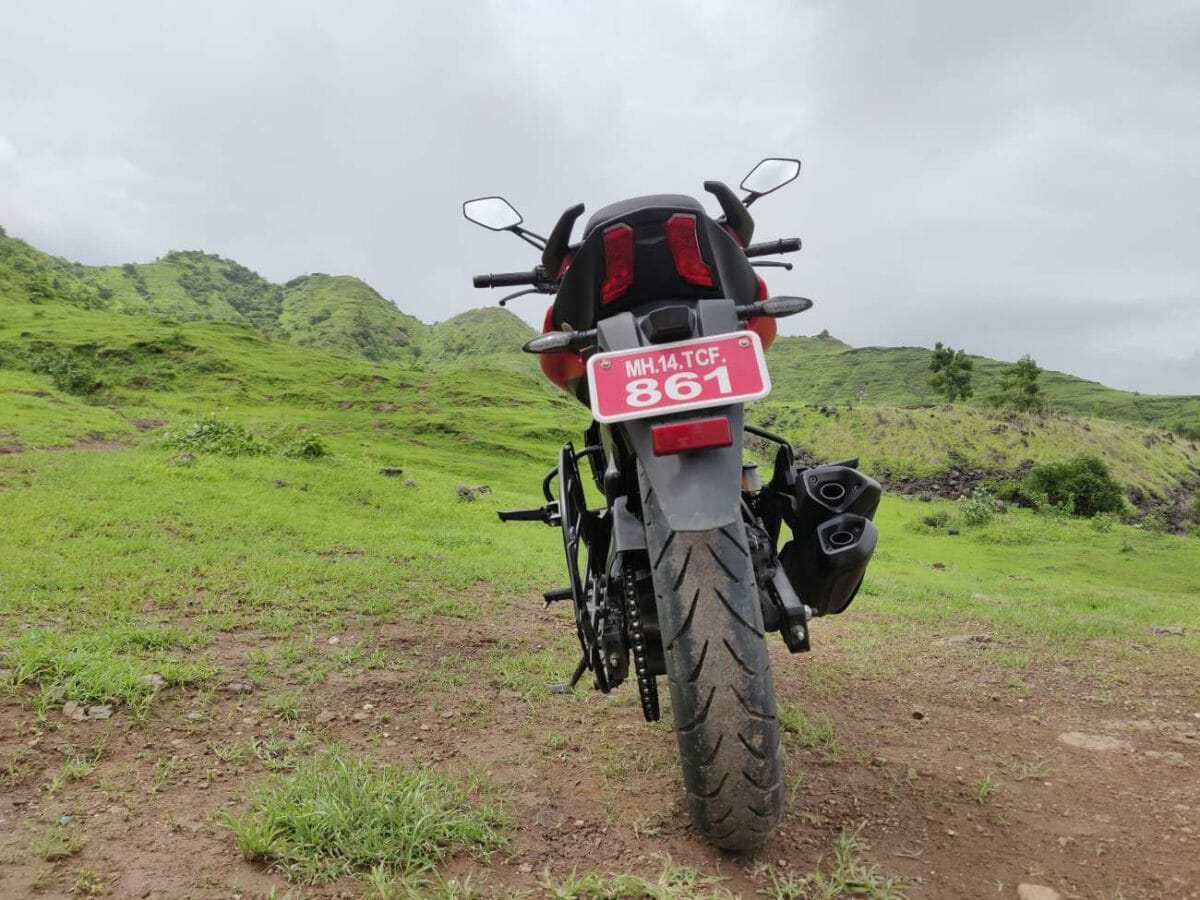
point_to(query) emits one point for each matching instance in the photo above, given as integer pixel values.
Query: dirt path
(968, 771)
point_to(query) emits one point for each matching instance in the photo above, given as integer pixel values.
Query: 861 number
(643, 392)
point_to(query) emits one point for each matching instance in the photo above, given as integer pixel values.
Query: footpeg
(558, 594)
(547, 514)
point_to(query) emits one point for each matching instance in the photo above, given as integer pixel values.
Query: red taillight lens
(685, 247)
(694, 434)
(618, 262)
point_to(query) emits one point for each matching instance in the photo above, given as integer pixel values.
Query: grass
(848, 875)
(810, 731)
(674, 882)
(339, 815)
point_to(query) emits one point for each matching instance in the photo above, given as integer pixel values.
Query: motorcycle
(659, 324)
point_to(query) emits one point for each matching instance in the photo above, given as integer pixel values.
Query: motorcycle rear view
(659, 325)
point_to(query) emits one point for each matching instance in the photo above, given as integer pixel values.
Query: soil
(1096, 776)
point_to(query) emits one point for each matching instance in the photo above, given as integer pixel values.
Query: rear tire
(719, 674)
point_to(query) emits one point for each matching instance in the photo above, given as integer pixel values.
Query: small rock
(525, 868)
(939, 565)
(279, 483)
(424, 727)
(926, 498)
(579, 823)
(918, 714)
(1170, 757)
(409, 483)
(6, 674)
(448, 714)
(1092, 741)
(100, 711)
(1037, 892)
(952, 531)
(239, 687)
(195, 717)
(73, 710)
(326, 715)
(1167, 630)
(155, 681)
(65, 820)
(358, 716)
(391, 471)
(334, 641)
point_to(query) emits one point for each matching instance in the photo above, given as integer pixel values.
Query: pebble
(525, 868)
(333, 641)
(1037, 892)
(101, 711)
(73, 710)
(155, 681)
(239, 687)
(918, 714)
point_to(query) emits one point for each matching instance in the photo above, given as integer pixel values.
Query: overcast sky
(1007, 177)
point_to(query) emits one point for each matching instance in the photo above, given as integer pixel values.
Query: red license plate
(667, 378)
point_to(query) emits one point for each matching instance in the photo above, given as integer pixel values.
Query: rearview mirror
(495, 213)
(770, 175)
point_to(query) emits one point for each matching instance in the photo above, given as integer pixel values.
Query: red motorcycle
(659, 325)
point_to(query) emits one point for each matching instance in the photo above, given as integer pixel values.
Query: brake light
(694, 434)
(685, 248)
(618, 262)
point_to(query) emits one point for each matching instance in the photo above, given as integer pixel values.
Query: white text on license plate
(666, 378)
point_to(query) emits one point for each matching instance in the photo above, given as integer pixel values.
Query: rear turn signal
(685, 248)
(694, 434)
(618, 262)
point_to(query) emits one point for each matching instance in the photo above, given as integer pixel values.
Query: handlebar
(767, 248)
(506, 279)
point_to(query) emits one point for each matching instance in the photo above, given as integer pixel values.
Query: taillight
(618, 262)
(694, 434)
(685, 248)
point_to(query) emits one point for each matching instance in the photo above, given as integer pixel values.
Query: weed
(1034, 771)
(87, 883)
(56, 844)
(214, 436)
(338, 815)
(76, 768)
(985, 789)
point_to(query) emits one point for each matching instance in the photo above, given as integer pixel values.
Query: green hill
(823, 370)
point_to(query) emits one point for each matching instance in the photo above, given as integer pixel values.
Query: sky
(1010, 178)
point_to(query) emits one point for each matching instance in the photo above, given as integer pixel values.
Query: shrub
(215, 436)
(69, 374)
(1082, 485)
(980, 508)
(939, 519)
(1103, 523)
(305, 446)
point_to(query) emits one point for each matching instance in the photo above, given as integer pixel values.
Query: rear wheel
(719, 674)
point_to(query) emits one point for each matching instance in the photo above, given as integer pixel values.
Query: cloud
(990, 176)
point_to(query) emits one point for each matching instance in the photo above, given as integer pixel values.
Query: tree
(1019, 388)
(951, 372)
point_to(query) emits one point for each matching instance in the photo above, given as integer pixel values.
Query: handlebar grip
(768, 248)
(505, 279)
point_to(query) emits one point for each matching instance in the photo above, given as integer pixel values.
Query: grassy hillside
(823, 370)
(341, 314)
(480, 332)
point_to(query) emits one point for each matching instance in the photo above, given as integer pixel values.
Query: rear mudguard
(696, 491)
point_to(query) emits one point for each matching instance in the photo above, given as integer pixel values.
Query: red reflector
(618, 262)
(685, 247)
(694, 434)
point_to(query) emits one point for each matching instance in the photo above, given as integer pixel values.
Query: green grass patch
(339, 815)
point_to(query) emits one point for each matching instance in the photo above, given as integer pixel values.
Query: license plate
(667, 378)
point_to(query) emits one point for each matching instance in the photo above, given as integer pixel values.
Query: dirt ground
(966, 780)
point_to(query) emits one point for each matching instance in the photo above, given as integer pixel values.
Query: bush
(1082, 485)
(1103, 523)
(939, 519)
(306, 446)
(980, 508)
(215, 436)
(70, 375)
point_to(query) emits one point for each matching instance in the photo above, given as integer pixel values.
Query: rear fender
(696, 491)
